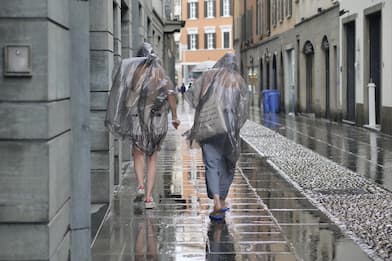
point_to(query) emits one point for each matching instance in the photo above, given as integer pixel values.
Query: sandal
(140, 190)
(149, 203)
(223, 210)
(217, 215)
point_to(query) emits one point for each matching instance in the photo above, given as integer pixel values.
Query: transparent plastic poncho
(138, 102)
(221, 101)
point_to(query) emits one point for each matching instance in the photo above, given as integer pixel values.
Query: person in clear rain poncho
(138, 106)
(221, 101)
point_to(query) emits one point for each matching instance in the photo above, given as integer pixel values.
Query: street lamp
(252, 74)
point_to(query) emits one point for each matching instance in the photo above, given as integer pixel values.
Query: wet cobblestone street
(269, 218)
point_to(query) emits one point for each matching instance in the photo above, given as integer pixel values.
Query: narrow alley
(269, 218)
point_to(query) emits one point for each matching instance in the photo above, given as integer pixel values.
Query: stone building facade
(321, 56)
(58, 161)
(291, 46)
(365, 38)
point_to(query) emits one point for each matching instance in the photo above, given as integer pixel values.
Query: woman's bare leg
(217, 202)
(151, 173)
(138, 163)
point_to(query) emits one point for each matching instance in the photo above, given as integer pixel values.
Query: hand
(176, 123)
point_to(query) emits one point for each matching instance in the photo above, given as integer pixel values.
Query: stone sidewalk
(342, 169)
(269, 218)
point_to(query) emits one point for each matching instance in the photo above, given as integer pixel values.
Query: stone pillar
(35, 133)
(117, 60)
(80, 147)
(101, 67)
(126, 51)
(126, 29)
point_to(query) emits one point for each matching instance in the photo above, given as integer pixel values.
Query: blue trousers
(219, 169)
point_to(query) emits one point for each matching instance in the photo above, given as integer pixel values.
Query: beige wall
(310, 8)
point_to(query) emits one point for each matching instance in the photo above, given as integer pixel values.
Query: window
(193, 10)
(192, 39)
(289, 8)
(226, 40)
(281, 10)
(210, 41)
(226, 8)
(226, 36)
(259, 17)
(273, 12)
(209, 8)
(209, 37)
(268, 16)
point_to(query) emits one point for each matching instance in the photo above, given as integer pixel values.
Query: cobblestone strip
(360, 207)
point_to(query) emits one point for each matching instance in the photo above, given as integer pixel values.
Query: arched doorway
(274, 74)
(308, 50)
(325, 47)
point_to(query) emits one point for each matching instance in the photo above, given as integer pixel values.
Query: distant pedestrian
(138, 104)
(221, 99)
(182, 90)
(189, 85)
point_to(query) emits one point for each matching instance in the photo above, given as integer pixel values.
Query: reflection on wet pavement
(366, 152)
(268, 218)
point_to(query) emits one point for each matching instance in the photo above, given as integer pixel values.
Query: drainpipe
(372, 104)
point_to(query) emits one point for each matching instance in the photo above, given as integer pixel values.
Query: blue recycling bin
(266, 103)
(274, 98)
(271, 101)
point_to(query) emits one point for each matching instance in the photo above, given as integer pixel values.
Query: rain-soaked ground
(368, 153)
(268, 218)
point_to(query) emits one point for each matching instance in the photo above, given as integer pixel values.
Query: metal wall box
(17, 60)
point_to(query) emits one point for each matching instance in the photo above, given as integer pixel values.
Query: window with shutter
(225, 7)
(258, 17)
(210, 40)
(281, 10)
(192, 10)
(274, 12)
(226, 40)
(268, 16)
(192, 41)
(221, 7)
(209, 8)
